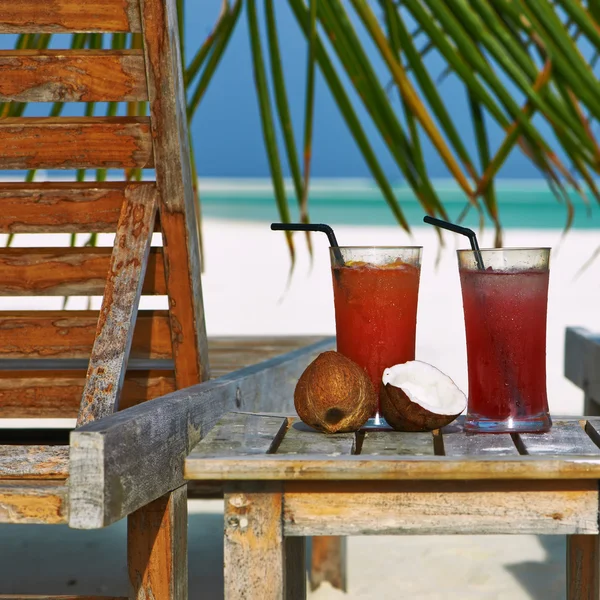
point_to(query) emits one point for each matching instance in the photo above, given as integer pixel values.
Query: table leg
(328, 562)
(583, 567)
(260, 564)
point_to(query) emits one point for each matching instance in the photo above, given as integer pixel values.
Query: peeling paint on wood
(33, 502)
(72, 76)
(75, 143)
(174, 181)
(67, 271)
(118, 313)
(29, 16)
(50, 207)
(33, 462)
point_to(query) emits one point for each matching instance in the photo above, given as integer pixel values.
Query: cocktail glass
(505, 320)
(375, 293)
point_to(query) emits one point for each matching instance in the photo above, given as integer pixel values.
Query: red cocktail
(505, 321)
(375, 292)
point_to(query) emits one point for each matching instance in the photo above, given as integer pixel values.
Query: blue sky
(227, 130)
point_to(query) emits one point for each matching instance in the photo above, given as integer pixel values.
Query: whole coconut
(334, 394)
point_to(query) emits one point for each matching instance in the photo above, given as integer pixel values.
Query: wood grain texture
(49, 207)
(157, 549)
(28, 16)
(329, 562)
(33, 502)
(57, 394)
(254, 550)
(438, 507)
(72, 76)
(457, 443)
(67, 271)
(33, 462)
(565, 437)
(118, 313)
(174, 181)
(583, 565)
(381, 443)
(130, 458)
(62, 334)
(348, 468)
(242, 433)
(302, 439)
(295, 568)
(75, 143)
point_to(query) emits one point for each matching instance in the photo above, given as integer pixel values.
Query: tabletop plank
(565, 437)
(378, 443)
(302, 439)
(241, 434)
(458, 443)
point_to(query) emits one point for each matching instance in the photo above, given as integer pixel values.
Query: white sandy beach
(245, 293)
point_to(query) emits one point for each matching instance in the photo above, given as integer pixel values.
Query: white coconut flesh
(427, 386)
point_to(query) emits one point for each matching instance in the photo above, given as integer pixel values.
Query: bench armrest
(126, 460)
(582, 358)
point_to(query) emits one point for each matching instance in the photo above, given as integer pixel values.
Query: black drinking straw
(321, 227)
(463, 231)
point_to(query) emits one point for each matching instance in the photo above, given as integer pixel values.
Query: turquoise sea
(522, 203)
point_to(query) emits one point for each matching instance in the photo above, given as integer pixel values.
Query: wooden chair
(582, 366)
(77, 363)
(89, 364)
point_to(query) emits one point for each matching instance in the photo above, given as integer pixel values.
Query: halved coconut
(415, 396)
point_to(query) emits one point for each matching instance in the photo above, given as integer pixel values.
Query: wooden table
(283, 481)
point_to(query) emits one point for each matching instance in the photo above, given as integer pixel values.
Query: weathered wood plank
(118, 313)
(50, 207)
(329, 562)
(108, 481)
(565, 437)
(174, 181)
(295, 568)
(33, 502)
(157, 549)
(583, 566)
(61, 334)
(75, 142)
(458, 443)
(348, 468)
(381, 443)
(254, 552)
(240, 434)
(57, 395)
(72, 76)
(582, 365)
(33, 462)
(29, 16)
(440, 507)
(67, 271)
(21, 597)
(302, 439)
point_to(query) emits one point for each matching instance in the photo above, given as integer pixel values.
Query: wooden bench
(582, 366)
(284, 482)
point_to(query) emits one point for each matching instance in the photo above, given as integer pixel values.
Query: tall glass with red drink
(505, 320)
(375, 292)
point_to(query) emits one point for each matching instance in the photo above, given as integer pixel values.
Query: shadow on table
(544, 580)
(38, 559)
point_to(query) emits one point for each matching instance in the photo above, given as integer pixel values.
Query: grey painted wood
(565, 437)
(238, 434)
(34, 462)
(118, 313)
(457, 443)
(301, 439)
(381, 443)
(254, 548)
(582, 365)
(128, 459)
